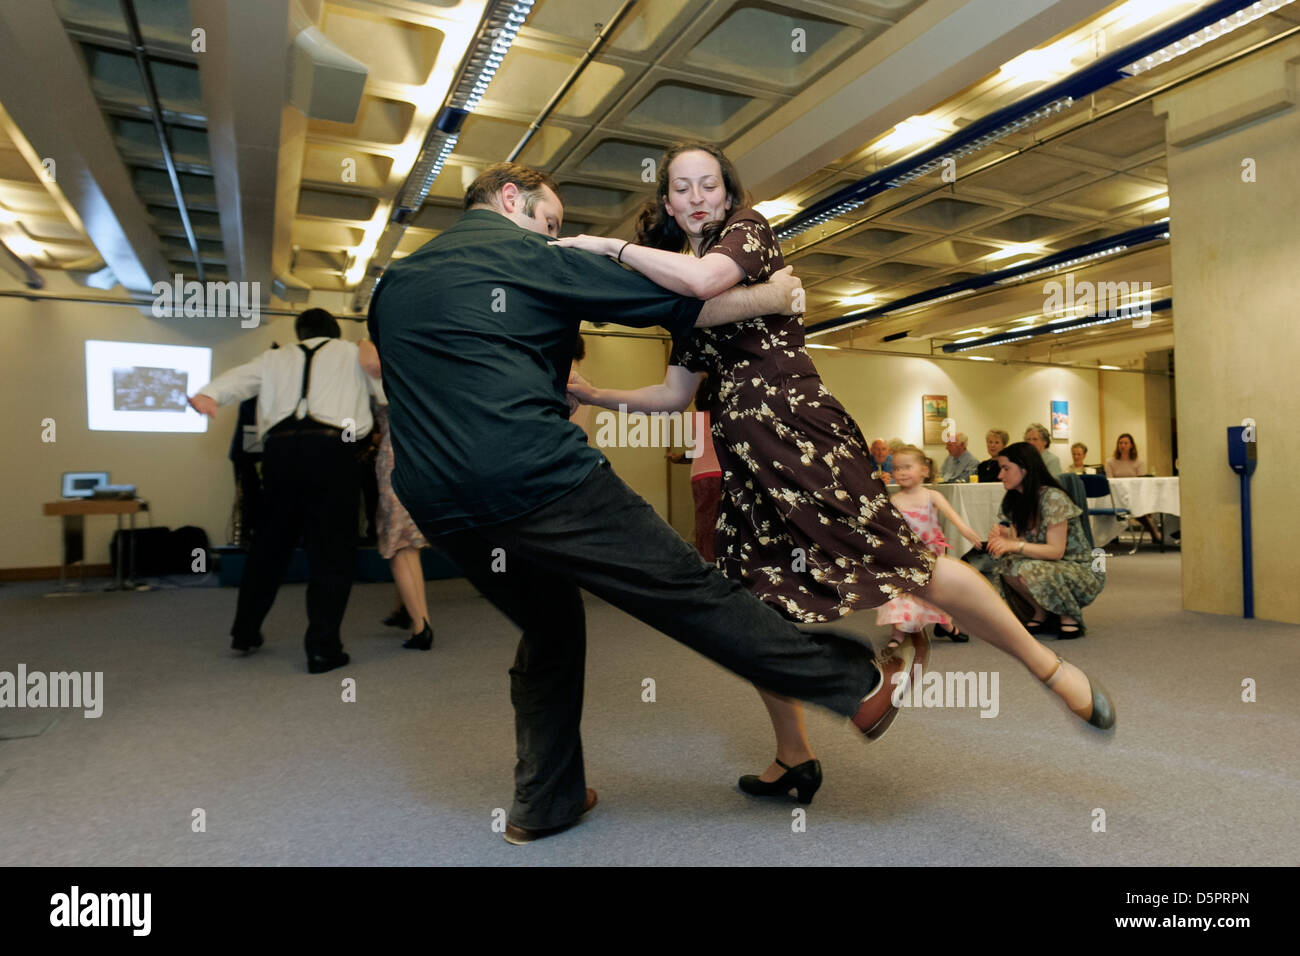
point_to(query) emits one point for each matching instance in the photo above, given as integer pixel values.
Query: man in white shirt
(960, 464)
(313, 407)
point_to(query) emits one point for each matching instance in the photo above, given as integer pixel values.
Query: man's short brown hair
(484, 190)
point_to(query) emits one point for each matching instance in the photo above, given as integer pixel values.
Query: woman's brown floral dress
(802, 523)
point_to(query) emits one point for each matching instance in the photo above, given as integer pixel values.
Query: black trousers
(604, 537)
(249, 483)
(310, 485)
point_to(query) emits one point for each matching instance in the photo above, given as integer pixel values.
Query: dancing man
(476, 334)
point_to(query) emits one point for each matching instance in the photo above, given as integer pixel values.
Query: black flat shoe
(1068, 632)
(804, 779)
(399, 618)
(422, 641)
(956, 636)
(246, 644)
(320, 663)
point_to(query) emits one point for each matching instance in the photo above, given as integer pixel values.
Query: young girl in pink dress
(920, 507)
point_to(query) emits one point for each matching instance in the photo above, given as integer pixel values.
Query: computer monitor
(82, 484)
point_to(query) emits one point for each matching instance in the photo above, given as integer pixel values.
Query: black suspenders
(301, 411)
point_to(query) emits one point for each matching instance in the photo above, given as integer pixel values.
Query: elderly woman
(1038, 436)
(1041, 550)
(994, 442)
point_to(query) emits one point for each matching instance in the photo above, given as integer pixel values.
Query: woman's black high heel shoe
(1047, 625)
(399, 618)
(803, 779)
(422, 641)
(1068, 632)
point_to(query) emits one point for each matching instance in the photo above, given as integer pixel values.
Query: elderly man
(960, 464)
(1038, 436)
(476, 332)
(883, 461)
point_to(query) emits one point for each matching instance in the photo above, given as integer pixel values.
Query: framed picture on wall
(1060, 420)
(934, 411)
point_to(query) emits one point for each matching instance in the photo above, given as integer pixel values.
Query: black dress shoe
(246, 644)
(422, 641)
(319, 663)
(1067, 632)
(804, 779)
(398, 618)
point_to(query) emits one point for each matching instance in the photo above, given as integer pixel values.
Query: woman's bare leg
(409, 578)
(960, 590)
(792, 745)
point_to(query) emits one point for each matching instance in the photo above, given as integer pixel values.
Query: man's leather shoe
(318, 664)
(877, 711)
(246, 644)
(518, 836)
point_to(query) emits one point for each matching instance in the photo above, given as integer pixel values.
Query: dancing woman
(802, 523)
(400, 541)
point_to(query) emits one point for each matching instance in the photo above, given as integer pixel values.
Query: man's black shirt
(476, 332)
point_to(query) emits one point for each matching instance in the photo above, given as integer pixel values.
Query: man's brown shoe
(877, 711)
(518, 835)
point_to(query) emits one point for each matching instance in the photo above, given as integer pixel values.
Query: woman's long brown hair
(657, 229)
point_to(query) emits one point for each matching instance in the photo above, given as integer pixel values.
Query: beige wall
(186, 478)
(883, 393)
(1235, 250)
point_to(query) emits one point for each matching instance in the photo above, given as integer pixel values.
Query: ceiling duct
(17, 267)
(290, 289)
(324, 82)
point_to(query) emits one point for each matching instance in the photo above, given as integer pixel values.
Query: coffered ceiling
(807, 96)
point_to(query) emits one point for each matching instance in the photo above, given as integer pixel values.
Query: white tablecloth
(978, 505)
(1140, 496)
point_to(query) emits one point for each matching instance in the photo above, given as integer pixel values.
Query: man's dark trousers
(311, 488)
(604, 537)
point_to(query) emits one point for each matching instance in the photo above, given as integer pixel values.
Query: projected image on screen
(139, 389)
(143, 387)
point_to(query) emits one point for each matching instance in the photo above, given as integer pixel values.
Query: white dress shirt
(339, 388)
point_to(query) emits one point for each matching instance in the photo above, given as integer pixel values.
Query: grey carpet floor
(287, 773)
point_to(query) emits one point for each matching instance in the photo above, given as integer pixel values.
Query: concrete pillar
(1234, 185)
